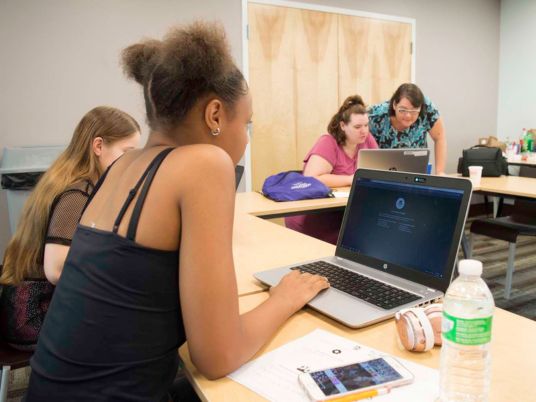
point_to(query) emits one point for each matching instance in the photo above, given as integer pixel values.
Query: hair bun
(198, 52)
(140, 59)
(351, 101)
(191, 61)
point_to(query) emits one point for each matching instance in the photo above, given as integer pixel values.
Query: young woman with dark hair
(151, 263)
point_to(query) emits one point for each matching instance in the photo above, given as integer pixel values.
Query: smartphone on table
(381, 373)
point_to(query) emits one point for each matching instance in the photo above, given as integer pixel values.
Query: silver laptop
(397, 246)
(401, 159)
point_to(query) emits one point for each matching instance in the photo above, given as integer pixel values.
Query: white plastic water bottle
(465, 367)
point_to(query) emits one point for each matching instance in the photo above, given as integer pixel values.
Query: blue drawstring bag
(292, 186)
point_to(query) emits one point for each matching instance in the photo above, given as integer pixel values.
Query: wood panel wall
(302, 65)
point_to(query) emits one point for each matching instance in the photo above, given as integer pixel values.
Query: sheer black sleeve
(66, 212)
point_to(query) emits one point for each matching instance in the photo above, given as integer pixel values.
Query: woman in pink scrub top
(333, 161)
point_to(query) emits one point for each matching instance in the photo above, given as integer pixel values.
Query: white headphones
(419, 329)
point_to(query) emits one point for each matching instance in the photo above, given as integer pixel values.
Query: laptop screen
(404, 228)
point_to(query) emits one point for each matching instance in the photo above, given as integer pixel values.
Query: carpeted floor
(494, 255)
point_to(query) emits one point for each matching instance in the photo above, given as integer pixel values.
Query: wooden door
(302, 65)
(374, 57)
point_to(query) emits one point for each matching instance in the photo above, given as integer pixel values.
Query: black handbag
(493, 163)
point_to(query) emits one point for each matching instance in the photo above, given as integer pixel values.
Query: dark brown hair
(352, 105)
(410, 91)
(190, 63)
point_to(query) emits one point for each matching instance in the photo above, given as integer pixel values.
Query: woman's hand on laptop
(296, 289)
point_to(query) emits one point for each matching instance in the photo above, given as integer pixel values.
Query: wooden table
(258, 205)
(513, 353)
(259, 245)
(531, 161)
(504, 186)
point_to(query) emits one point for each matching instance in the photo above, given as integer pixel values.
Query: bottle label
(466, 331)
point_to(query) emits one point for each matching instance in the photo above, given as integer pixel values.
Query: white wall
(517, 68)
(60, 58)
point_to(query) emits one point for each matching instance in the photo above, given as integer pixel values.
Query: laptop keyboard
(360, 286)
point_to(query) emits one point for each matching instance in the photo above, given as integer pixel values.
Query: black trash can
(20, 169)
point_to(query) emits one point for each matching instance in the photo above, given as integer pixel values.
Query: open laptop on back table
(399, 159)
(397, 246)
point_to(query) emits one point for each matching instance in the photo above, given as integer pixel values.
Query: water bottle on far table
(465, 368)
(530, 141)
(523, 141)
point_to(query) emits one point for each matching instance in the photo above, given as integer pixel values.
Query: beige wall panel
(316, 70)
(374, 57)
(272, 83)
(390, 43)
(355, 61)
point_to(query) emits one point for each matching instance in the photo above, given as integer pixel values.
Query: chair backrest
(524, 210)
(527, 171)
(239, 171)
(13, 358)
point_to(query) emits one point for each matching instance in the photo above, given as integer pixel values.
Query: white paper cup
(475, 174)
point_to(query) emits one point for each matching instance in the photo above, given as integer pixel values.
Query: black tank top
(114, 323)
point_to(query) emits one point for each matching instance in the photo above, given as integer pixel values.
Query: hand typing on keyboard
(370, 290)
(297, 288)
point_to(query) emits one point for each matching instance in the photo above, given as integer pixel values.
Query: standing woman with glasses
(405, 120)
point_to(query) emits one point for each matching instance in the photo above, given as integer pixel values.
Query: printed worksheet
(341, 194)
(274, 375)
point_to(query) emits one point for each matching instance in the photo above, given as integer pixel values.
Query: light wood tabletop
(256, 204)
(515, 186)
(259, 245)
(530, 161)
(513, 353)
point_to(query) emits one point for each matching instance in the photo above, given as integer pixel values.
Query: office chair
(522, 221)
(10, 359)
(239, 171)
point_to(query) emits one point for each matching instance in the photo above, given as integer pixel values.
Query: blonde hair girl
(51, 212)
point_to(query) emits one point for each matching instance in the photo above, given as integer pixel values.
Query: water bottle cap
(470, 267)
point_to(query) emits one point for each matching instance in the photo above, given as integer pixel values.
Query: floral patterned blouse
(413, 137)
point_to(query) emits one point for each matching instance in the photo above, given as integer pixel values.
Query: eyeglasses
(413, 112)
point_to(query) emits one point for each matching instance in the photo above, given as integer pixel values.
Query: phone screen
(354, 376)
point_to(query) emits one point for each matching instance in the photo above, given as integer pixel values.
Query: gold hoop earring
(215, 132)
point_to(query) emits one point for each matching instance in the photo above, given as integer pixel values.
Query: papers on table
(341, 194)
(274, 375)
